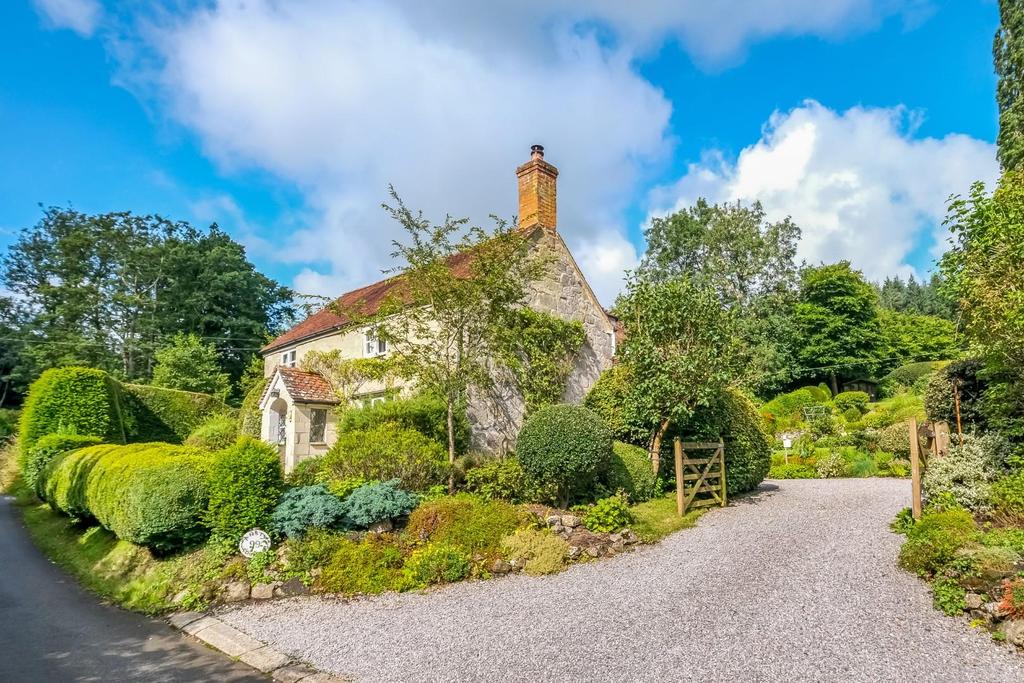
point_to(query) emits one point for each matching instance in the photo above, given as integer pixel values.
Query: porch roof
(304, 387)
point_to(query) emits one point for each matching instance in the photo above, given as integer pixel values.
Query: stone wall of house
(496, 418)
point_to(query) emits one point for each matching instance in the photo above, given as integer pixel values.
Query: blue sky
(284, 122)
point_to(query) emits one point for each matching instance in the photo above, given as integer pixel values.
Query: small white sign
(254, 541)
(787, 442)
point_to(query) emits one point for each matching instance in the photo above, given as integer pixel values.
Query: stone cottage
(298, 407)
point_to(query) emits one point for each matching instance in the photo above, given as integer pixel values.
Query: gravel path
(797, 583)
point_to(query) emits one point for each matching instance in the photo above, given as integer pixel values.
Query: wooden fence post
(915, 469)
(678, 447)
(721, 463)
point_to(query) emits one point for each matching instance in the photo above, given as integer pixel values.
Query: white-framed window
(373, 346)
(367, 400)
(317, 425)
(288, 359)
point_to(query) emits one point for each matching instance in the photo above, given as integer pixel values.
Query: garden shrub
(504, 479)
(1008, 498)
(968, 471)
(424, 413)
(607, 515)
(387, 451)
(607, 398)
(748, 448)
(70, 400)
(903, 522)
(988, 561)
(630, 470)
(215, 433)
(436, 563)
(153, 495)
(245, 483)
(1012, 538)
(540, 551)
(372, 503)
(790, 471)
(857, 400)
(158, 414)
(859, 464)
(373, 565)
(465, 521)
(908, 376)
(312, 551)
(566, 445)
(307, 472)
(939, 400)
(935, 539)
(47, 448)
(343, 487)
(786, 410)
(831, 466)
(307, 507)
(250, 417)
(949, 596)
(895, 439)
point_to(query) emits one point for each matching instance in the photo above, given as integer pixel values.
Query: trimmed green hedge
(45, 450)
(71, 400)
(245, 483)
(630, 470)
(150, 494)
(566, 445)
(249, 416)
(89, 402)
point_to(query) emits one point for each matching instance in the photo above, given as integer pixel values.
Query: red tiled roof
(365, 301)
(306, 387)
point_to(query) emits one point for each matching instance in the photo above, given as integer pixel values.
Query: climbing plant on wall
(539, 351)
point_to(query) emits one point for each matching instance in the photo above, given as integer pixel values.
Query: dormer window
(372, 346)
(288, 359)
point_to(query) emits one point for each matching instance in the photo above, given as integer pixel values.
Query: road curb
(246, 649)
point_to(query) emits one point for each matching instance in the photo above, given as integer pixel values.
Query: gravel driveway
(797, 583)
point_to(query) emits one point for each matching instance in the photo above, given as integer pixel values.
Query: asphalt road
(53, 630)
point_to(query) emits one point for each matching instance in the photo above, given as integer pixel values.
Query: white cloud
(443, 99)
(858, 183)
(81, 16)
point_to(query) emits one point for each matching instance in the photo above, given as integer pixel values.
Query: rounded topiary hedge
(39, 456)
(567, 446)
(630, 470)
(245, 483)
(152, 494)
(70, 400)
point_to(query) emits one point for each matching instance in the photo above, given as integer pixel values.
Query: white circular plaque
(254, 541)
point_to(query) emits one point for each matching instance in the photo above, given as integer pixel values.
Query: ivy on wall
(539, 350)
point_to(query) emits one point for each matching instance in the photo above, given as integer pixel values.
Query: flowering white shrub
(969, 470)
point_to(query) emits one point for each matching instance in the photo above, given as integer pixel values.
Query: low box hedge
(150, 494)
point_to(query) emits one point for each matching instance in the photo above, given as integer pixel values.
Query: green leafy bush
(989, 561)
(968, 471)
(565, 445)
(215, 433)
(903, 522)
(503, 479)
(148, 494)
(424, 413)
(908, 376)
(307, 507)
(157, 414)
(343, 487)
(857, 400)
(39, 456)
(70, 400)
(250, 418)
(791, 471)
(735, 419)
(859, 464)
(1008, 498)
(245, 483)
(630, 470)
(387, 451)
(436, 563)
(607, 515)
(786, 411)
(540, 551)
(939, 399)
(1012, 538)
(935, 539)
(373, 565)
(467, 522)
(949, 596)
(895, 439)
(373, 503)
(607, 398)
(307, 472)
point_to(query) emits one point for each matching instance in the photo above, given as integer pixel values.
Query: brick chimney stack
(537, 191)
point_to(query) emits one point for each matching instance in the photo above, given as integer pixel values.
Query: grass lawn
(657, 518)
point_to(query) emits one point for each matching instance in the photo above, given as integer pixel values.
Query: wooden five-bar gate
(701, 475)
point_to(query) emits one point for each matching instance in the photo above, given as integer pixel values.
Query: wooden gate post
(678, 447)
(915, 469)
(721, 464)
